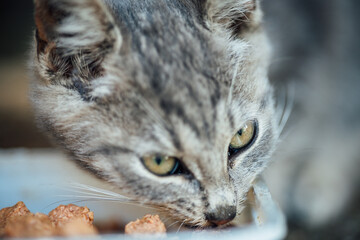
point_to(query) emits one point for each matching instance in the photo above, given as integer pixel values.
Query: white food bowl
(42, 179)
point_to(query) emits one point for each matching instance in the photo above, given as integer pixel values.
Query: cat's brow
(111, 149)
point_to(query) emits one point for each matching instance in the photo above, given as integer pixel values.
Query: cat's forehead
(171, 59)
(165, 43)
(172, 79)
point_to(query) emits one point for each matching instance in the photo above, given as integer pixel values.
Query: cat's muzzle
(221, 215)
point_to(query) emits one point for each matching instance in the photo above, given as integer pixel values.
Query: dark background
(17, 128)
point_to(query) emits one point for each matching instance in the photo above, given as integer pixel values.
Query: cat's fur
(116, 80)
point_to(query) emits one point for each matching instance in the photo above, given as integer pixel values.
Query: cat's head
(168, 100)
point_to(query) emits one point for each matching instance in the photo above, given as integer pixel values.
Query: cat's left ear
(69, 30)
(238, 16)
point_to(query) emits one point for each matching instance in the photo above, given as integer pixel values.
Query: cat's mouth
(203, 224)
(210, 226)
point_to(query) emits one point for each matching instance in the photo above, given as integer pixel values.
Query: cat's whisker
(93, 194)
(181, 225)
(96, 190)
(85, 194)
(199, 226)
(68, 201)
(55, 203)
(95, 197)
(76, 199)
(90, 193)
(290, 97)
(173, 224)
(166, 220)
(280, 106)
(280, 102)
(285, 135)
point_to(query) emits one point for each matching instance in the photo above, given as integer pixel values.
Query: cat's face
(168, 101)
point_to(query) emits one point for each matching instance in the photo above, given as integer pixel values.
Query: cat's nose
(221, 215)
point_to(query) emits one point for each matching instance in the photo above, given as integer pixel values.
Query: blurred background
(17, 127)
(315, 174)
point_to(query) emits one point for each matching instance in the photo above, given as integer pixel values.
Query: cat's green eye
(161, 165)
(243, 138)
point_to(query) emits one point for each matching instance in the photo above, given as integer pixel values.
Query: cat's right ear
(236, 16)
(75, 29)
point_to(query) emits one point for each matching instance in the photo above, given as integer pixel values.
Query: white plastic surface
(35, 177)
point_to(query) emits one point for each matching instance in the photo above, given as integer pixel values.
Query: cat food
(65, 220)
(62, 215)
(31, 225)
(8, 213)
(70, 220)
(149, 224)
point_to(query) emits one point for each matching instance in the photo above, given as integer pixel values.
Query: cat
(167, 100)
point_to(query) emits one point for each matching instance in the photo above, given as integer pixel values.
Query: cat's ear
(69, 30)
(238, 16)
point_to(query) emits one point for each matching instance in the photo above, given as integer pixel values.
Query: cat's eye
(161, 165)
(243, 138)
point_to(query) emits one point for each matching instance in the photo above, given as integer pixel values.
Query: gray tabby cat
(167, 100)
